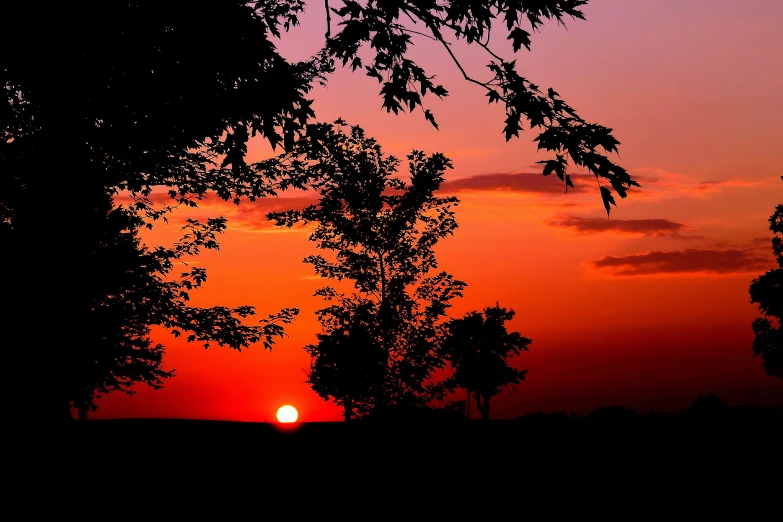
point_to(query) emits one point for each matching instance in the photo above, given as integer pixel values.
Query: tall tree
(767, 292)
(129, 99)
(381, 231)
(479, 347)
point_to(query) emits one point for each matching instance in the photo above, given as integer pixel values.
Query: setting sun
(287, 414)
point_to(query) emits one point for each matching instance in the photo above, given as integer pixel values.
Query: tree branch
(439, 37)
(407, 30)
(328, 20)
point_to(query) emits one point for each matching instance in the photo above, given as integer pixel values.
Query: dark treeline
(703, 459)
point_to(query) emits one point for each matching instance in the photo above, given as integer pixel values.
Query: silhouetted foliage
(191, 108)
(130, 98)
(382, 231)
(348, 364)
(143, 95)
(710, 403)
(134, 288)
(388, 26)
(478, 346)
(767, 292)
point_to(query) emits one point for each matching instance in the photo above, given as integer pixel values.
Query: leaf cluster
(388, 26)
(134, 288)
(152, 96)
(767, 292)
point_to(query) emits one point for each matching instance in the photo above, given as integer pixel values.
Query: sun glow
(287, 414)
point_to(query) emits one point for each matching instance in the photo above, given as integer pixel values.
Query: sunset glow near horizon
(647, 309)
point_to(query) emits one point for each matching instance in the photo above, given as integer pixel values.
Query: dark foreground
(693, 462)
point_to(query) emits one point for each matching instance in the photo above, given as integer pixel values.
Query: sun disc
(287, 414)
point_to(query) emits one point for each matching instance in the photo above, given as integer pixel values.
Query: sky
(646, 309)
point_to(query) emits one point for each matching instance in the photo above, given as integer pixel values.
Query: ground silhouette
(712, 460)
(709, 433)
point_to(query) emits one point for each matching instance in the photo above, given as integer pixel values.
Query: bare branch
(328, 20)
(407, 30)
(427, 19)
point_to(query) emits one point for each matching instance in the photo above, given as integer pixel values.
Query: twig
(328, 20)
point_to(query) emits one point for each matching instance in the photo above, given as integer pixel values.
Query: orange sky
(648, 309)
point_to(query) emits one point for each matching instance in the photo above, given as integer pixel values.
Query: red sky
(647, 309)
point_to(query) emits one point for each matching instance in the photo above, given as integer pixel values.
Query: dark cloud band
(516, 182)
(647, 227)
(730, 261)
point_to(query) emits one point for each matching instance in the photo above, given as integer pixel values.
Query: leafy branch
(562, 131)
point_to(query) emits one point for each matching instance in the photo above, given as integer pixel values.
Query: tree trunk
(483, 406)
(348, 407)
(383, 323)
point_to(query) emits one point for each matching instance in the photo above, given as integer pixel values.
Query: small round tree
(479, 347)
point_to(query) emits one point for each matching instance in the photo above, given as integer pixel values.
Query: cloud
(661, 184)
(689, 261)
(467, 153)
(656, 185)
(252, 216)
(158, 198)
(762, 241)
(646, 227)
(569, 204)
(714, 186)
(516, 182)
(247, 216)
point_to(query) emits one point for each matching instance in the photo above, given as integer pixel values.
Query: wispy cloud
(658, 184)
(252, 216)
(517, 182)
(247, 216)
(644, 227)
(689, 261)
(762, 241)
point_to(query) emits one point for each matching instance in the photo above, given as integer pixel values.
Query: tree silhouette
(134, 289)
(132, 102)
(348, 363)
(382, 231)
(144, 95)
(767, 292)
(478, 347)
